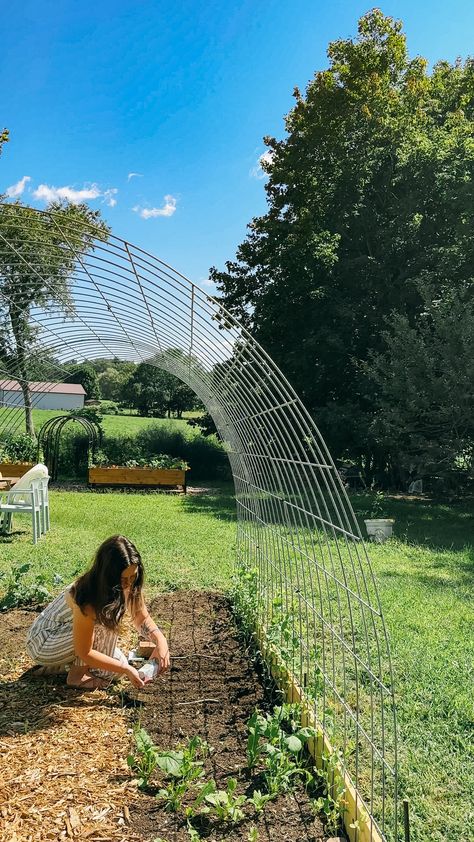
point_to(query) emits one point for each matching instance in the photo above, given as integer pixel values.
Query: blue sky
(181, 93)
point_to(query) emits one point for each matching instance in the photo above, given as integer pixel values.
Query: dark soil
(211, 691)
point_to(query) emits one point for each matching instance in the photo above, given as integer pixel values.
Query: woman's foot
(82, 680)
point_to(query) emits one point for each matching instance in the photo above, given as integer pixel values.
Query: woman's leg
(80, 675)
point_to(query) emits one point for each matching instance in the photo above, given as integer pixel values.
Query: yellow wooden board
(136, 476)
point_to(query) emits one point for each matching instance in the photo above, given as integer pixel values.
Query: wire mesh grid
(302, 568)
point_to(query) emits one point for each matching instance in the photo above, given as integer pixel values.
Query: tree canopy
(370, 214)
(154, 391)
(86, 376)
(37, 261)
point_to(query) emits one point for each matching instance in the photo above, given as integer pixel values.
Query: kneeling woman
(79, 629)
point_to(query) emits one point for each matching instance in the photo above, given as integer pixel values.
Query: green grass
(425, 579)
(183, 544)
(426, 583)
(112, 424)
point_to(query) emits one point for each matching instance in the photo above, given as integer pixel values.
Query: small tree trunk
(30, 427)
(19, 330)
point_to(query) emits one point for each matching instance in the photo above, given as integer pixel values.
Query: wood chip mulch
(63, 771)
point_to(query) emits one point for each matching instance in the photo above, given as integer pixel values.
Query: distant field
(112, 424)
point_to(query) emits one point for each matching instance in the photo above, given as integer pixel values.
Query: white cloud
(257, 171)
(109, 197)
(45, 193)
(54, 194)
(134, 175)
(206, 282)
(168, 209)
(17, 189)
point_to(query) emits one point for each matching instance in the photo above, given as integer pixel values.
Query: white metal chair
(44, 504)
(27, 496)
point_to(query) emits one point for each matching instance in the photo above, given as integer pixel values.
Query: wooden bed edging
(15, 469)
(137, 476)
(320, 747)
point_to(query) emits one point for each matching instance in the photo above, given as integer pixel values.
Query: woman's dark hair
(101, 587)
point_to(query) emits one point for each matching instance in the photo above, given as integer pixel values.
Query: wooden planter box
(138, 476)
(15, 469)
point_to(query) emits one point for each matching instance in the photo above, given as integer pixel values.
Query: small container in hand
(149, 671)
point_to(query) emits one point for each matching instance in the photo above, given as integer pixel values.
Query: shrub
(109, 408)
(17, 447)
(205, 456)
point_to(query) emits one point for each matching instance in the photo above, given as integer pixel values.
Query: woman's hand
(161, 654)
(133, 677)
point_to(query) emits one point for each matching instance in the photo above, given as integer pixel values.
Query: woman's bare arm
(150, 631)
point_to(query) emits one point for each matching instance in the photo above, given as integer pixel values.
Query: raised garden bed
(211, 691)
(15, 469)
(168, 477)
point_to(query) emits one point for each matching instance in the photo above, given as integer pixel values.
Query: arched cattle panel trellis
(50, 434)
(304, 573)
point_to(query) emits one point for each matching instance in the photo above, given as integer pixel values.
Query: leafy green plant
(205, 789)
(331, 804)
(245, 593)
(144, 761)
(93, 413)
(377, 507)
(184, 767)
(256, 729)
(277, 741)
(252, 835)
(17, 447)
(192, 833)
(281, 632)
(162, 460)
(258, 800)
(19, 591)
(226, 804)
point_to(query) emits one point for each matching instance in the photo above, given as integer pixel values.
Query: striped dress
(50, 639)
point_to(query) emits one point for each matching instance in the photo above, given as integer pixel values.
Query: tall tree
(370, 193)
(113, 379)
(87, 377)
(154, 391)
(424, 378)
(37, 262)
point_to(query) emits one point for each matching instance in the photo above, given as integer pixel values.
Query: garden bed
(167, 477)
(15, 469)
(52, 772)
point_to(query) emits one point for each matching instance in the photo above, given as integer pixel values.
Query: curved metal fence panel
(303, 575)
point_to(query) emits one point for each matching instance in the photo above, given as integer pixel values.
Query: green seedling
(192, 833)
(258, 800)
(184, 770)
(252, 835)
(280, 770)
(206, 789)
(144, 761)
(332, 803)
(226, 805)
(281, 633)
(256, 729)
(277, 741)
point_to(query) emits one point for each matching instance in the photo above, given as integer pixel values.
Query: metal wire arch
(50, 434)
(299, 544)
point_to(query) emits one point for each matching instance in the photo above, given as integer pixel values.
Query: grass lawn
(425, 578)
(112, 424)
(426, 584)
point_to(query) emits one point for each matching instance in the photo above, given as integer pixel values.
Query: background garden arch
(304, 573)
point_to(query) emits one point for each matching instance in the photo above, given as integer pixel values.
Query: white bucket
(379, 529)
